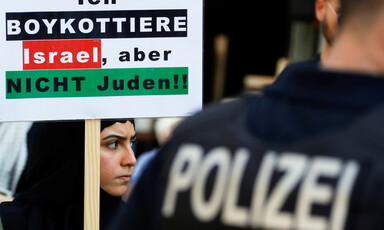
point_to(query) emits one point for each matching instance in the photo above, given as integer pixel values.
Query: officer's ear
(320, 9)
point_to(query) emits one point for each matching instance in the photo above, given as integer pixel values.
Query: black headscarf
(50, 194)
(106, 122)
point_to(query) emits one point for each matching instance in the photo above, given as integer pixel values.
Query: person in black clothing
(50, 194)
(307, 154)
(117, 160)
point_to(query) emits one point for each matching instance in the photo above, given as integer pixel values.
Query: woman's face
(117, 157)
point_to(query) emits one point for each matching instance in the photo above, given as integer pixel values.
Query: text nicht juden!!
(96, 82)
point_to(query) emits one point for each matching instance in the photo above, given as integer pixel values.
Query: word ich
(96, 2)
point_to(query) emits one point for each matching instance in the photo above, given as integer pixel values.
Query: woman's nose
(128, 157)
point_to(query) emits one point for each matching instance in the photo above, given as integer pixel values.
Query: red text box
(62, 54)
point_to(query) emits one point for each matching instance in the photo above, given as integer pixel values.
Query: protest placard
(94, 59)
(100, 59)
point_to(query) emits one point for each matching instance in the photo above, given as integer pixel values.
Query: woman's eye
(112, 145)
(132, 143)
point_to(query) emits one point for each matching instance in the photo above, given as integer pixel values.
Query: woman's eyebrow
(115, 136)
(133, 137)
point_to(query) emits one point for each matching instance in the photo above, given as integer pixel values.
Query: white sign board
(93, 59)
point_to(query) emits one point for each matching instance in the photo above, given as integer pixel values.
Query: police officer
(308, 154)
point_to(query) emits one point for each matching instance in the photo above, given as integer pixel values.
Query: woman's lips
(124, 178)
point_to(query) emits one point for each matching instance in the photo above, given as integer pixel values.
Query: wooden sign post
(92, 175)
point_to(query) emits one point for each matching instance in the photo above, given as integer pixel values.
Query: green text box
(96, 82)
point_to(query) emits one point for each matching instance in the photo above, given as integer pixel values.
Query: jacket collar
(328, 87)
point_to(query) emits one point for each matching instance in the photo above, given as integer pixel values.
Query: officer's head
(361, 14)
(328, 13)
(359, 44)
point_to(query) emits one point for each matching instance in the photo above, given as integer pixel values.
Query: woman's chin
(118, 191)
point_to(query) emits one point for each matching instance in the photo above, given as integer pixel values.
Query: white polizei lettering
(119, 24)
(32, 29)
(343, 192)
(49, 25)
(260, 188)
(232, 214)
(191, 171)
(294, 166)
(39, 58)
(144, 23)
(180, 24)
(95, 54)
(162, 22)
(66, 25)
(181, 175)
(82, 26)
(206, 210)
(13, 27)
(26, 56)
(133, 25)
(52, 57)
(103, 22)
(311, 192)
(67, 57)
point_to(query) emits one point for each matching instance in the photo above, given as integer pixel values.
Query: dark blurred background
(243, 43)
(257, 33)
